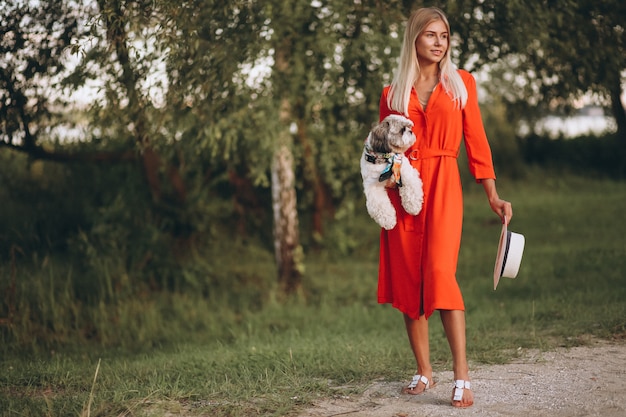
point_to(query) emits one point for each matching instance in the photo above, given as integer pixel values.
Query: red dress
(418, 257)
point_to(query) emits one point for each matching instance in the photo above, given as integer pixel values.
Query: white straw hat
(509, 257)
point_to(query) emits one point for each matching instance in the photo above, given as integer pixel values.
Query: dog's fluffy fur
(392, 136)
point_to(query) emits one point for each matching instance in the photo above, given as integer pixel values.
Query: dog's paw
(411, 192)
(412, 206)
(412, 199)
(387, 223)
(385, 219)
(383, 212)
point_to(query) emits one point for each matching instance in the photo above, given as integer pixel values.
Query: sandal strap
(459, 386)
(417, 379)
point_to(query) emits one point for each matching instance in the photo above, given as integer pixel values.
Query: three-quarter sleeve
(476, 143)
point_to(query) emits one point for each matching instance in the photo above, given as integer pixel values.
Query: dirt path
(581, 381)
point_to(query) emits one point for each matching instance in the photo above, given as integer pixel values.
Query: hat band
(506, 251)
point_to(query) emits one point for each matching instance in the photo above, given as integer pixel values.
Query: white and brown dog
(383, 165)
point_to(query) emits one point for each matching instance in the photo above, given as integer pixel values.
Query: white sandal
(459, 386)
(415, 381)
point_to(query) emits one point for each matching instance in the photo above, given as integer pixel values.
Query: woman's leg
(454, 326)
(417, 330)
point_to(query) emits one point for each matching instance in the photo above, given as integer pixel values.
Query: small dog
(384, 165)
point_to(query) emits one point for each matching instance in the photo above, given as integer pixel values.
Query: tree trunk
(286, 237)
(288, 252)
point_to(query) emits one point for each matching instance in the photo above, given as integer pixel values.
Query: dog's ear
(378, 138)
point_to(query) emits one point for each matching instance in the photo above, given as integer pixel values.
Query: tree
(585, 51)
(327, 62)
(546, 55)
(37, 75)
(33, 40)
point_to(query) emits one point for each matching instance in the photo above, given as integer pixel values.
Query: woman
(418, 258)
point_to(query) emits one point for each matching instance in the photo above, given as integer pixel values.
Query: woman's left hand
(502, 208)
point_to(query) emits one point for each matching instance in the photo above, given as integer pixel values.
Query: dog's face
(393, 134)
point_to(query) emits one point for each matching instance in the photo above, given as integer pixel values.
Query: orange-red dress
(418, 257)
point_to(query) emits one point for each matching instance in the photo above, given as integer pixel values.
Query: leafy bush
(586, 155)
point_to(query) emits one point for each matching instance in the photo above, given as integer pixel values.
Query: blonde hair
(408, 67)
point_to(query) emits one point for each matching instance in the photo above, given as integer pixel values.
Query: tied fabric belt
(431, 153)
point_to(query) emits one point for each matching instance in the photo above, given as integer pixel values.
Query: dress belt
(431, 153)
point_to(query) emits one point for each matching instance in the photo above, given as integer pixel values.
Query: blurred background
(182, 224)
(164, 163)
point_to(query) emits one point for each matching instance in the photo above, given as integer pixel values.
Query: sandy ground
(575, 382)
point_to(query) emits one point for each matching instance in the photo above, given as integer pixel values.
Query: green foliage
(32, 46)
(177, 78)
(589, 156)
(339, 57)
(52, 289)
(102, 299)
(36, 213)
(564, 51)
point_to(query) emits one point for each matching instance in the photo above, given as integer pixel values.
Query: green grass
(572, 277)
(240, 351)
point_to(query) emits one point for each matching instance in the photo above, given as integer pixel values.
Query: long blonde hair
(408, 68)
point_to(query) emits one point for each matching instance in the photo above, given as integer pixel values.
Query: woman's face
(432, 44)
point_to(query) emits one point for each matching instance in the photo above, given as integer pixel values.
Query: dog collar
(393, 161)
(377, 157)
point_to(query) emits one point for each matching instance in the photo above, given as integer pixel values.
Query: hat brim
(509, 255)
